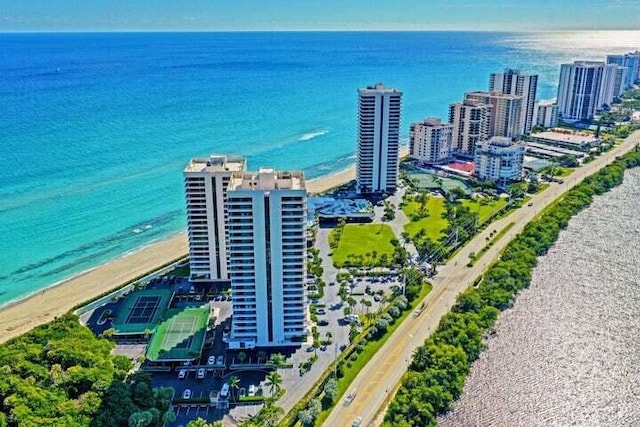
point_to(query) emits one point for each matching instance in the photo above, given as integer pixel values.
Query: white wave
(137, 231)
(311, 135)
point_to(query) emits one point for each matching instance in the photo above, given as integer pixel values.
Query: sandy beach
(23, 315)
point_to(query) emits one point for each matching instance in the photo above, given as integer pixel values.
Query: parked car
(201, 373)
(321, 310)
(182, 374)
(186, 394)
(322, 322)
(220, 360)
(211, 360)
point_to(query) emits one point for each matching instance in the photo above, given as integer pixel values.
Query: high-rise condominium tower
(378, 138)
(505, 112)
(584, 88)
(267, 257)
(206, 181)
(631, 62)
(513, 83)
(471, 120)
(430, 141)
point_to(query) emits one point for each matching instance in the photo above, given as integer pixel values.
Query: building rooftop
(378, 88)
(565, 136)
(268, 178)
(433, 122)
(216, 163)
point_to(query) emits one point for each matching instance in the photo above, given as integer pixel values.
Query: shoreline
(25, 313)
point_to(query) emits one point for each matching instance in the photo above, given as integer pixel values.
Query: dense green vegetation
(438, 370)
(363, 245)
(60, 374)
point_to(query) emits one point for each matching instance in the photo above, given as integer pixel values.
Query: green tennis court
(141, 311)
(181, 335)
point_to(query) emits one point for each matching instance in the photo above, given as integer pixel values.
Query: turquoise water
(96, 128)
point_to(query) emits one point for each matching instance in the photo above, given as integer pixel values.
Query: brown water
(568, 352)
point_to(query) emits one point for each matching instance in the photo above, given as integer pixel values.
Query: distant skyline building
(471, 121)
(584, 88)
(631, 62)
(547, 114)
(430, 141)
(267, 258)
(499, 160)
(379, 109)
(206, 181)
(505, 112)
(512, 82)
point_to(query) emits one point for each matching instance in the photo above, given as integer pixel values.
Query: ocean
(95, 128)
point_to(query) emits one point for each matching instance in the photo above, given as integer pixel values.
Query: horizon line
(353, 30)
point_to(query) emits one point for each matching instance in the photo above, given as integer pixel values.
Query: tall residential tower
(584, 88)
(378, 139)
(505, 112)
(631, 62)
(267, 258)
(471, 120)
(206, 181)
(513, 83)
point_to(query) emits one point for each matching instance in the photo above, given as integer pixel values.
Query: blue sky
(212, 15)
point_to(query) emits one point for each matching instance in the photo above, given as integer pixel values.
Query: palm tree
(277, 360)
(234, 384)
(262, 356)
(329, 335)
(274, 379)
(242, 357)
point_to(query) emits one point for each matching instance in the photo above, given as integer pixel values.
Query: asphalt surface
(379, 378)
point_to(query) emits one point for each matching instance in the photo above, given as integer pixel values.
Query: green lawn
(358, 240)
(434, 223)
(487, 207)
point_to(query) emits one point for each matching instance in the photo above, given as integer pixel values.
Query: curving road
(379, 378)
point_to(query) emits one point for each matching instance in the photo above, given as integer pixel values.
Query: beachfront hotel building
(500, 160)
(546, 114)
(512, 82)
(631, 63)
(267, 258)
(471, 121)
(584, 88)
(430, 141)
(378, 139)
(505, 112)
(206, 181)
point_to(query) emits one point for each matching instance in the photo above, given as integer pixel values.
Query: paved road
(383, 373)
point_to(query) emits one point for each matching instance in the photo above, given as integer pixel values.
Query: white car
(211, 360)
(356, 422)
(182, 374)
(201, 373)
(350, 396)
(252, 390)
(220, 360)
(186, 394)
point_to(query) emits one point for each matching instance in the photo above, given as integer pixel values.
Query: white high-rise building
(505, 112)
(631, 62)
(547, 114)
(430, 141)
(513, 83)
(471, 120)
(584, 88)
(267, 258)
(500, 160)
(206, 181)
(378, 139)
